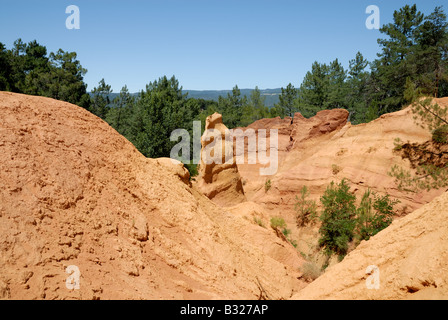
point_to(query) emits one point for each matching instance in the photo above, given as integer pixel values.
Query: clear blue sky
(206, 44)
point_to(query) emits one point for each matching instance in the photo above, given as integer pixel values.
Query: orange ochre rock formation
(73, 192)
(314, 152)
(219, 178)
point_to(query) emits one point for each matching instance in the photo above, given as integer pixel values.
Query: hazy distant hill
(271, 95)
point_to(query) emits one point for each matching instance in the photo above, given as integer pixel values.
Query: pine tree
(100, 104)
(257, 101)
(337, 89)
(161, 109)
(120, 115)
(5, 69)
(313, 91)
(337, 217)
(324, 87)
(393, 66)
(66, 79)
(231, 107)
(58, 75)
(357, 86)
(18, 66)
(432, 53)
(254, 109)
(287, 102)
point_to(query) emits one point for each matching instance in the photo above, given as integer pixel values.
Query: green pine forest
(413, 50)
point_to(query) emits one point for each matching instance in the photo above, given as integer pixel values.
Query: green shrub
(259, 222)
(286, 232)
(398, 144)
(277, 222)
(193, 169)
(343, 222)
(306, 210)
(337, 218)
(293, 242)
(440, 135)
(374, 214)
(267, 185)
(364, 214)
(335, 169)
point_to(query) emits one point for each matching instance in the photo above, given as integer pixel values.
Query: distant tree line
(414, 50)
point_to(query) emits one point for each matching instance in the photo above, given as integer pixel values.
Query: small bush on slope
(337, 218)
(342, 221)
(306, 210)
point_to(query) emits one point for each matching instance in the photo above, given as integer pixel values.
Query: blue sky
(206, 44)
